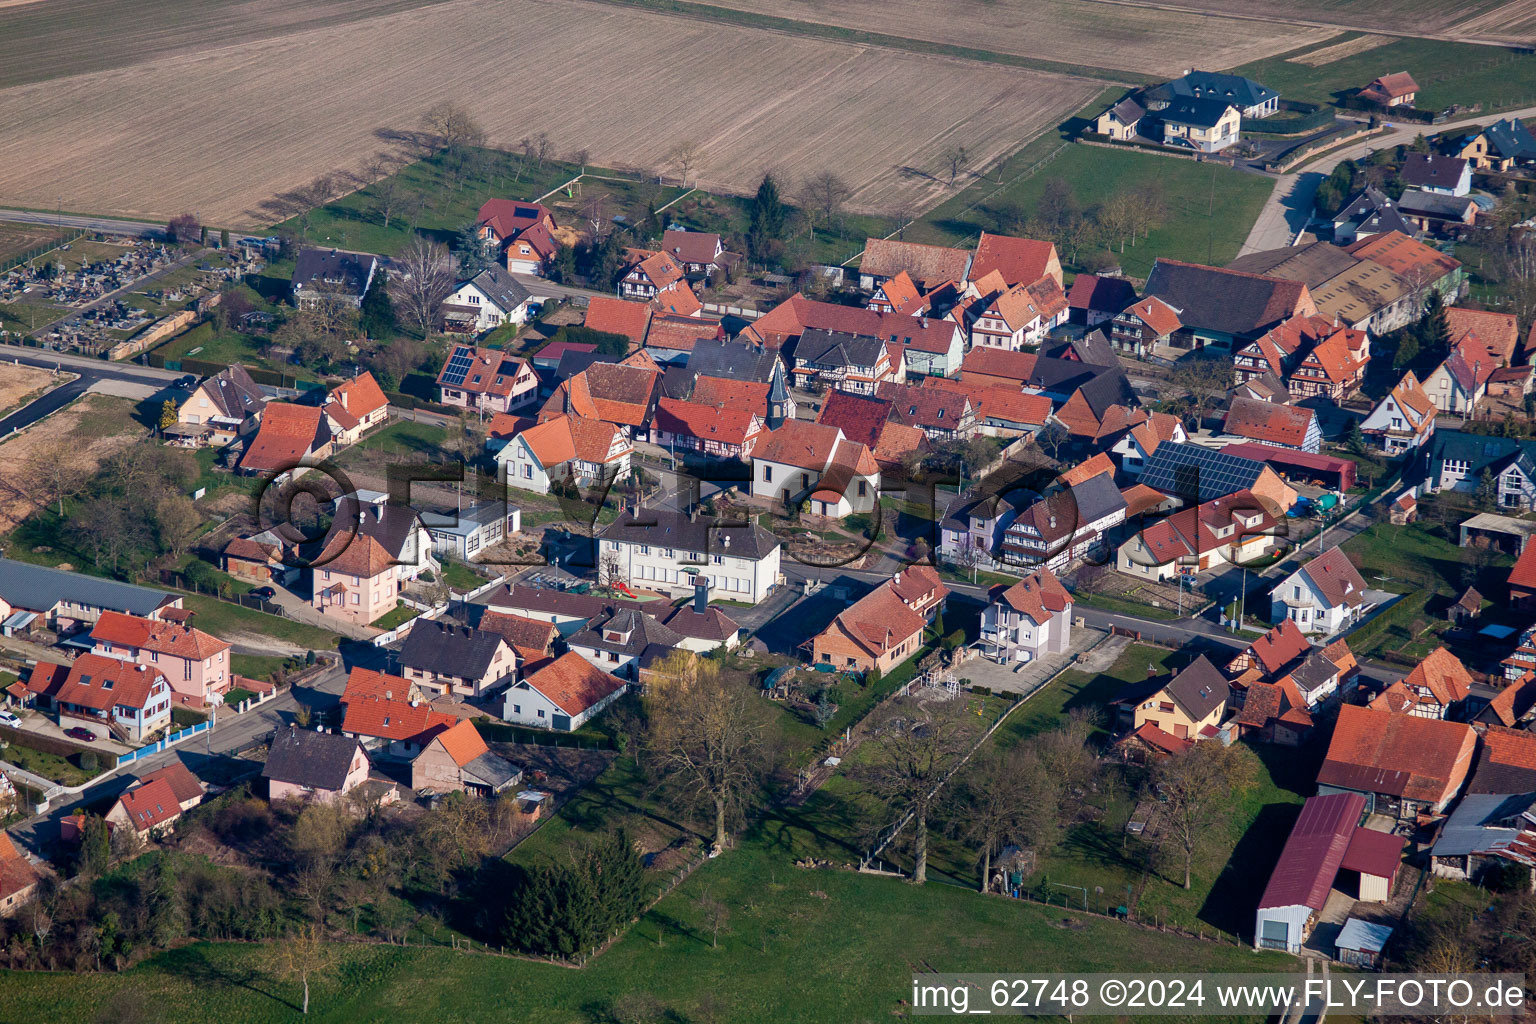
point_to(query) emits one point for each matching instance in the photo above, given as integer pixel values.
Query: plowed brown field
(217, 131)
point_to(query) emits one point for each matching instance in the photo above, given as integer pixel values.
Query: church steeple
(778, 397)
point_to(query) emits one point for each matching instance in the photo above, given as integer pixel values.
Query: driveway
(1031, 675)
(1289, 207)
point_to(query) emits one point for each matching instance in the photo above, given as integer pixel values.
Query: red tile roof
(151, 804)
(997, 362)
(1018, 260)
(860, 417)
(490, 371)
(1270, 423)
(462, 741)
(671, 333)
(1443, 674)
(181, 641)
(394, 719)
(1423, 759)
(521, 632)
(1157, 314)
(751, 395)
(706, 422)
(287, 434)
(798, 443)
(1404, 256)
(678, 300)
(16, 872)
(1039, 596)
(1522, 575)
(100, 683)
(1499, 332)
(997, 402)
(1098, 465)
(364, 683)
(572, 683)
(1280, 646)
(618, 316)
(360, 396)
(181, 780)
(928, 264)
(355, 555)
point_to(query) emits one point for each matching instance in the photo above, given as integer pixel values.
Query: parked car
(265, 593)
(10, 719)
(77, 732)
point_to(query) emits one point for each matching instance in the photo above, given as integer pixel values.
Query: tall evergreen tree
(378, 309)
(1434, 330)
(471, 251)
(769, 217)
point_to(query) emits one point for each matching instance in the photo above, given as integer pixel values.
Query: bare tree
(184, 229)
(715, 913)
(956, 158)
(423, 280)
(54, 468)
(1516, 267)
(451, 126)
(1197, 791)
(610, 570)
(383, 184)
(299, 957)
(707, 732)
(916, 745)
(824, 193)
(686, 156)
(993, 800)
(541, 148)
(1118, 219)
(1204, 378)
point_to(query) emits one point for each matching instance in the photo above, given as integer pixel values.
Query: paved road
(1289, 206)
(105, 225)
(208, 754)
(90, 372)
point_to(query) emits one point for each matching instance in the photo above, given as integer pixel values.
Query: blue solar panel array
(458, 367)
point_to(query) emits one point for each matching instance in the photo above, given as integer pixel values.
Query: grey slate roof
(449, 650)
(1315, 670)
(1201, 112)
(500, 287)
(714, 535)
(1483, 823)
(234, 393)
(837, 348)
(348, 272)
(1426, 170)
(1234, 89)
(39, 588)
(1097, 497)
(1110, 387)
(1478, 451)
(1198, 474)
(1511, 138)
(302, 757)
(1371, 211)
(493, 770)
(625, 632)
(736, 360)
(1200, 688)
(557, 602)
(1434, 204)
(1208, 298)
(1058, 377)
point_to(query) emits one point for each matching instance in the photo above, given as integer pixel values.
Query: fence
(39, 250)
(180, 581)
(1305, 153)
(1311, 117)
(169, 741)
(1095, 139)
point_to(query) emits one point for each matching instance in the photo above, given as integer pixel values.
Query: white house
(1010, 318)
(564, 449)
(1461, 382)
(1403, 420)
(486, 301)
(1136, 446)
(616, 640)
(810, 462)
(1323, 596)
(563, 695)
(659, 549)
(470, 531)
(1028, 620)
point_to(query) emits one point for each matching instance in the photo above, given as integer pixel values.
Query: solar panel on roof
(457, 368)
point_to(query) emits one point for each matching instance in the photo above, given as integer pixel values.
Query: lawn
(798, 946)
(1210, 207)
(1422, 556)
(60, 769)
(261, 667)
(1447, 73)
(461, 577)
(395, 616)
(222, 619)
(227, 347)
(430, 199)
(1111, 603)
(400, 439)
(1075, 688)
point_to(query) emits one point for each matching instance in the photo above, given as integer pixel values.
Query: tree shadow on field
(192, 963)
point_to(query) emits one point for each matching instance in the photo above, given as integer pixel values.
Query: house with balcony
(1402, 421)
(564, 450)
(1188, 704)
(112, 697)
(1028, 620)
(445, 660)
(1057, 529)
(1236, 529)
(195, 663)
(856, 363)
(1327, 595)
(885, 627)
(660, 549)
(485, 380)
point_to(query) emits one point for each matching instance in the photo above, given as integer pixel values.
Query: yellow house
(1207, 125)
(1119, 121)
(1189, 705)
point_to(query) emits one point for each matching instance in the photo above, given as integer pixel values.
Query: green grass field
(222, 618)
(1447, 73)
(256, 666)
(804, 946)
(1210, 208)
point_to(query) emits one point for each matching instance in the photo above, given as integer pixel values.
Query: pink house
(354, 579)
(195, 663)
(318, 766)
